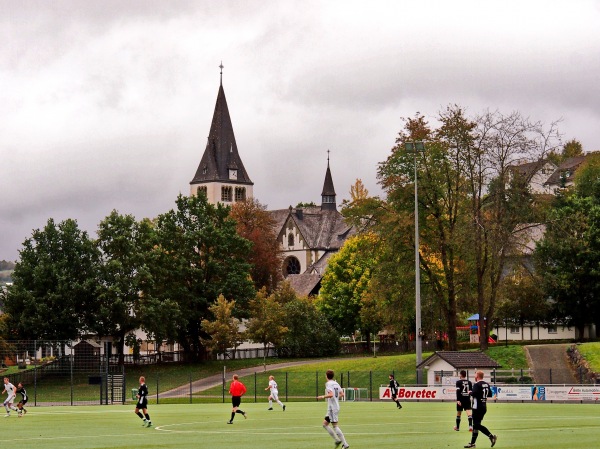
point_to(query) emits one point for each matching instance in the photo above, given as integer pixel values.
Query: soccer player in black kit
(142, 403)
(23, 401)
(481, 391)
(394, 390)
(463, 400)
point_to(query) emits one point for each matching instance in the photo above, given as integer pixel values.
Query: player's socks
(147, 417)
(458, 423)
(340, 435)
(470, 422)
(232, 416)
(270, 405)
(140, 415)
(330, 432)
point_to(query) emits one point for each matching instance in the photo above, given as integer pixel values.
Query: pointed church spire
(328, 194)
(221, 162)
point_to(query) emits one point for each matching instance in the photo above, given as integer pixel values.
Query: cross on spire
(221, 67)
(328, 157)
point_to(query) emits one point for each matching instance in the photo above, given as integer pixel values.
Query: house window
(290, 239)
(202, 191)
(552, 330)
(515, 330)
(292, 266)
(226, 193)
(240, 194)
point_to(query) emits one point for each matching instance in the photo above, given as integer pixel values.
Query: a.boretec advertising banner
(501, 393)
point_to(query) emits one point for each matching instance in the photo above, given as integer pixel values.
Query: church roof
(320, 229)
(221, 153)
(328, 188)
(304, 284)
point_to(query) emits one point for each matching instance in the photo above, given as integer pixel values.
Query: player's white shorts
(9, 400)
(275, 395)
(333, 415)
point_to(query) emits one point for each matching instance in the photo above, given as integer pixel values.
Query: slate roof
(328, 189)
(221, 152)
(305, 284)
(568, 168)
(462, 359)
(320, 229)
(528, 169)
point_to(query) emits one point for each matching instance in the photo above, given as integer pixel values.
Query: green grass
(365, 425)
(591, 352)
(509, 356)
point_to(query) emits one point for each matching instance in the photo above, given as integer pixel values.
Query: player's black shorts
(478, 415)
(465, 404)
(142, 403)
(394, 396)
(236, 401)
(23, 401)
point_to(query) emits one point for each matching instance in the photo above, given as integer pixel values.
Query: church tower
(328, 194)
(221, 175)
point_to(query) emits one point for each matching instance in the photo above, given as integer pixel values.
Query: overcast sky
(107, 104)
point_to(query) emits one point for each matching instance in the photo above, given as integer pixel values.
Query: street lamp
(414, 148)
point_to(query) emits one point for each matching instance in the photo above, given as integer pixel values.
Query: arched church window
(202, 191)
(240, 194)
(292, 266)
(290, 239)
(226, 194)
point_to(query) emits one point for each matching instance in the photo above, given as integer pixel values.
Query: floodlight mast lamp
(414, 148)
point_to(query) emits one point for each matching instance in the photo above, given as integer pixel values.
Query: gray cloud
(106, 105)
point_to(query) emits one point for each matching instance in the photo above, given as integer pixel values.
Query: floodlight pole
(415, 147)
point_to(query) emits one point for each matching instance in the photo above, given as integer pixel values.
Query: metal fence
(78, 373)
(63, 373)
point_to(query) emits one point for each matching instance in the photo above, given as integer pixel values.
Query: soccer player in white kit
(11, 392)
(274, 396)
(333, 392)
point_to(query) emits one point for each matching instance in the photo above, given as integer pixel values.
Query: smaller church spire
(221, 66)
(328, 195)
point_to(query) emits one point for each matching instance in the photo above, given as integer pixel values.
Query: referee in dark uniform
(142, 403)
(481, 391)
(463, 400)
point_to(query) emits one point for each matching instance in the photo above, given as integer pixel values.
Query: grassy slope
(591, 352)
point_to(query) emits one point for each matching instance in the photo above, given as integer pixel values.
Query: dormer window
(233, 173)
(204, 170)
(290, 240)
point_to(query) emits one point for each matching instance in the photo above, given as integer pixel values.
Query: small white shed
(448, 364)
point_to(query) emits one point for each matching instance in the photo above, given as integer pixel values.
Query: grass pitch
(365, 425)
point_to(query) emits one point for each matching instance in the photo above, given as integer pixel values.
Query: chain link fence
(63, 372)
(80, 373)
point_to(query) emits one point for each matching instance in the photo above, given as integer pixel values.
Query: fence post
(286, 386)
(494, 376)
(550, 369)
(223, 392)
(581, 375)
(371, 385)
(35, 376)
(157, 385)
(254, 386)
(349, 380)
(71, 359)
(190, 388)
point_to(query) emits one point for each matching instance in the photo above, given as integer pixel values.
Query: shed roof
(462, 359)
